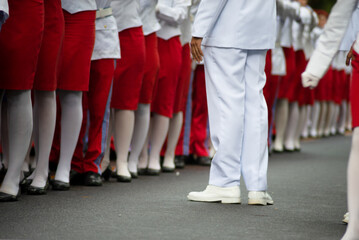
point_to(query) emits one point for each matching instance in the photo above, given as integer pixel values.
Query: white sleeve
(173, 15)
(287, 9)
(207, 15)
(356, 45)
(329, 41)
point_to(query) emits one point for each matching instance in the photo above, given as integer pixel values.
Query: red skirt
(20, 42)
(287, 79)
(354, 90)
(295, 85)
(347, 87)
(170, 65)
(77, 50)
(183, 81)
(338, 86)
(322, 90)
(129, 70)
(152, 66)
(49, 57)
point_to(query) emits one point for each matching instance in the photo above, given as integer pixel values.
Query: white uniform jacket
(127, 14)
(352, 31)
(245, 24)
(75, 6)
(107, 44)
(186, 26)
(148, 16)
(171, 13)
(329, 41)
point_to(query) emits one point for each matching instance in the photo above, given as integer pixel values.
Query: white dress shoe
(217, 194)
(259, 198)
(346, 218)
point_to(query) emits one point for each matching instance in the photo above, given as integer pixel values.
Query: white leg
(174, 132)
(329, 118)
(20, 125)
(333, 128)
(303, 112)
(124, 122)
(308, 122)
(315, 119)
(44, 128)
(291, 126)
(159, 130)
(4, 135)
(352, 231)
(342, 117)
(322, 118)
(281, 120)
(71, 120)
(142, 123)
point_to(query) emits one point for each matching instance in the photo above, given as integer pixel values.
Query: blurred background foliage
(322, 4)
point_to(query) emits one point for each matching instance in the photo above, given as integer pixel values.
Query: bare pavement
(309, 190)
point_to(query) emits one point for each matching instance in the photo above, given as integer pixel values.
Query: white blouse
(171, 13)
(127, 14)
(148, 16)
(75, 6)
(107, 45)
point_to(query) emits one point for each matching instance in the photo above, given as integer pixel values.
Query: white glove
(309, 80)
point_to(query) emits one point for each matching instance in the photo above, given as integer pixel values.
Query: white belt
(103, 12)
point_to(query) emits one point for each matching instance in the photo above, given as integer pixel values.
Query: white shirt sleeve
(329, 41)
(4, 11)
(173, 15)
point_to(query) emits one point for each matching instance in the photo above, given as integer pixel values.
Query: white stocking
(44, 128)
(143, 158)
(124, 122)
(4, 135)
(142, 123)
(328, 121)
(19, 113)
(174, 132)
(291, 126)
(333, 128)
(159, 129)
(315, 119)
(106, 158)
(303, 113)
(352, 232)
(348, 123)
(342, 117)
(26, 164)
(322, 118)
(281, 119)
(308, 122)
(71, 120)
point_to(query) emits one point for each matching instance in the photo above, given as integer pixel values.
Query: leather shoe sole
(5, 197)
(31, 190)
(121, 178)
(153, 172)
(60, 186)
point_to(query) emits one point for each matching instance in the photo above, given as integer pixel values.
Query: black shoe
(134, 174)
(168, 170)
(142, 171)
(76, 178)
(24, 184)
(121, 178)
(107, 174)
(2, 173)
(204, 161)
(5, 197)
(180, 161)
(190, 159)
(31, 190)
(153, 172)
(60, 186)
(92, 179)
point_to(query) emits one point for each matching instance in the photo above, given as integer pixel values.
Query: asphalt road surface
(309, 190)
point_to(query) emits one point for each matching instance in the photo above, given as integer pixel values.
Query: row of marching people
(294, 111)
(75, 73)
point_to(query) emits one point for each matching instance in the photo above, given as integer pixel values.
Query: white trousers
(238, 116)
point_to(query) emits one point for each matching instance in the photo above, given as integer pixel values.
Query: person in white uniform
(327, 47)
(4, 11)
(235, 41)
